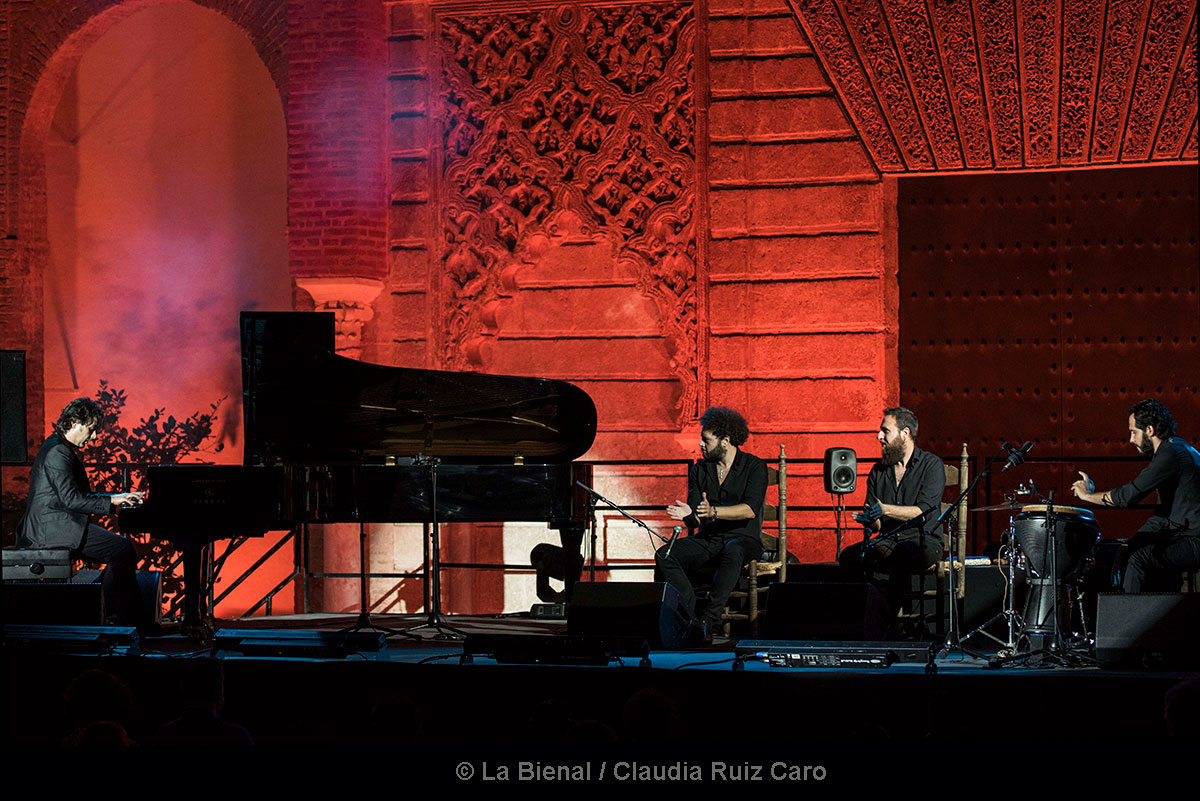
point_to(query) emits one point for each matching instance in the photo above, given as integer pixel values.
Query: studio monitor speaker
(841, 471)
(1156, 626)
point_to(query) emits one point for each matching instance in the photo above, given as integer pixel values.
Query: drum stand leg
(1055, 654)
(1011, 617)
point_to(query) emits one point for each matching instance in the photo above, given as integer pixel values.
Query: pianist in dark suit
(61, 504)
(726, 491)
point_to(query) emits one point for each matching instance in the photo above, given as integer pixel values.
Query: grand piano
(330, 439)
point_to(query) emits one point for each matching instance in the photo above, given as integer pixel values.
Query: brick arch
(47, 48)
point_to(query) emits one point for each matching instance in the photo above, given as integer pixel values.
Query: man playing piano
(726, 491)
(60, 506)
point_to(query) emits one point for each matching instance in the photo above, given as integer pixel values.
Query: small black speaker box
(984, 600)
(642, 609)
(841, 471)
(12, 407)
(55, 603)
(1156, 626)
(819, 611)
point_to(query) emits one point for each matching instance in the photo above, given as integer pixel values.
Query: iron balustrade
(298, 536)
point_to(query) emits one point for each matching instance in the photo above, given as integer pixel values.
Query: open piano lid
(304, 404)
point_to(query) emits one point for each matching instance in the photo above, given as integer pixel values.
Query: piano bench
(37, 564)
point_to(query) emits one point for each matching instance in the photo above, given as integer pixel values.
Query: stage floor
(302, 688)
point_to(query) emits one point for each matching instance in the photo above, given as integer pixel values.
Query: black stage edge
(306, 686)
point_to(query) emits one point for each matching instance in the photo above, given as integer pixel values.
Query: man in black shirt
(726, 492)
(1169, 542)
(61, 504)
(904, 493)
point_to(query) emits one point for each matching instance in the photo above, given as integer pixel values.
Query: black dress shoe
(700, 634)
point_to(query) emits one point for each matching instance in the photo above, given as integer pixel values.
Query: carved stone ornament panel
(983, 84)
(581, 111)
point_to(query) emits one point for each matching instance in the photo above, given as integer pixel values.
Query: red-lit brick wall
(671, 204)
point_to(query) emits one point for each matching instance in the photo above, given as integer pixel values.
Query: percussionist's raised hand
(679, 510)
(1084, 486)
(704, 509)
(869, 514)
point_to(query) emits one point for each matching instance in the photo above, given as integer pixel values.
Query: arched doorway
(166, 198)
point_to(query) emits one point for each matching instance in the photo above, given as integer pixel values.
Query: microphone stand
(601, 499)
(433, 585)
(839, 511)
(364, 608)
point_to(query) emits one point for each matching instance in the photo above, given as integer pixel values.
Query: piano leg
(196, 624)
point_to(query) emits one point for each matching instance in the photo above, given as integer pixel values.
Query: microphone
(1017, 456)
(675, 532)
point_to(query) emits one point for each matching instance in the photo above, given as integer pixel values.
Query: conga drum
(1055, 554)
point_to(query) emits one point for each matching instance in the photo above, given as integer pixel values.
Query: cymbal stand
(433, 586)
(1009, 613)
(953, 641)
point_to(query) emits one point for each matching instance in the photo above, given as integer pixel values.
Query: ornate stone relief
(1181, 105)
(822, 22)
(869, 27)
(1083, 22)
(1038, 25)
(953, 84)
(1122, 35)
(956, 42)
(573, 118)
(1167, 26)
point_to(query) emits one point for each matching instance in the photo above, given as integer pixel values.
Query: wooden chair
(954, 555)
(774, 557)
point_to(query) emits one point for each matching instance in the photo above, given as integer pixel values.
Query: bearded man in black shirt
(726, 491)
(1169, 542)
(904, 492)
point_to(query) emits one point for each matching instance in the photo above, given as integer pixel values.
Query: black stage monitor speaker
(642, 609)
(1156, 626)
(825, 611)
(12, 407)
(78, 601)
(56, 603)
(841, 471)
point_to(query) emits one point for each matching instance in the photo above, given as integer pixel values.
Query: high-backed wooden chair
(953, 557)
(773, 561)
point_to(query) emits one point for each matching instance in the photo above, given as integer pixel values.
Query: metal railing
(298, 537)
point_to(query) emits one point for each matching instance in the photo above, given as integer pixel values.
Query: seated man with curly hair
(724, 511)
(61, 504)
(1169, 541)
